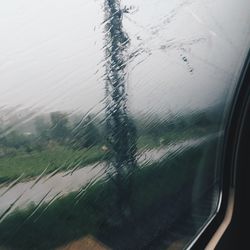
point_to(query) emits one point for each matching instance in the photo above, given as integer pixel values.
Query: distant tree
(92, 135)
(18, 141)
(59, 127)
(202, 120)
(85, 134)
(42, 128)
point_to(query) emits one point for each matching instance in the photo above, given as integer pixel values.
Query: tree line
(79, 133)
(57, 130)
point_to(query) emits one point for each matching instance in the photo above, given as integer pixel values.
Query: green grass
(23, 165)
(33, 164)
(156, 191)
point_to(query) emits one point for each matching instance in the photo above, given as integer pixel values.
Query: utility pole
(121, 132)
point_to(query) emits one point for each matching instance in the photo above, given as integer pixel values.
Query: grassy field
(60, 158)
(23, 165)
(157, 190)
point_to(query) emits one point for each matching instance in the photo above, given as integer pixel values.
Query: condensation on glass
(111, 118)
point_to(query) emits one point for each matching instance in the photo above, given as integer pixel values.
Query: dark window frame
(231, 165)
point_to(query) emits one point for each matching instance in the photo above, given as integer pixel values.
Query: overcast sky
(190, 53)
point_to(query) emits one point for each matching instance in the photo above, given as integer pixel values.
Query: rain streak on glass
(111, 118)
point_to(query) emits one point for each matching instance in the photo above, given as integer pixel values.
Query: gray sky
(51, 53)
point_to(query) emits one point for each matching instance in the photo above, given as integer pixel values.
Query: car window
(112, 117)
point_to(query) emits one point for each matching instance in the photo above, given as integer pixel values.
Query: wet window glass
(112, 115)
